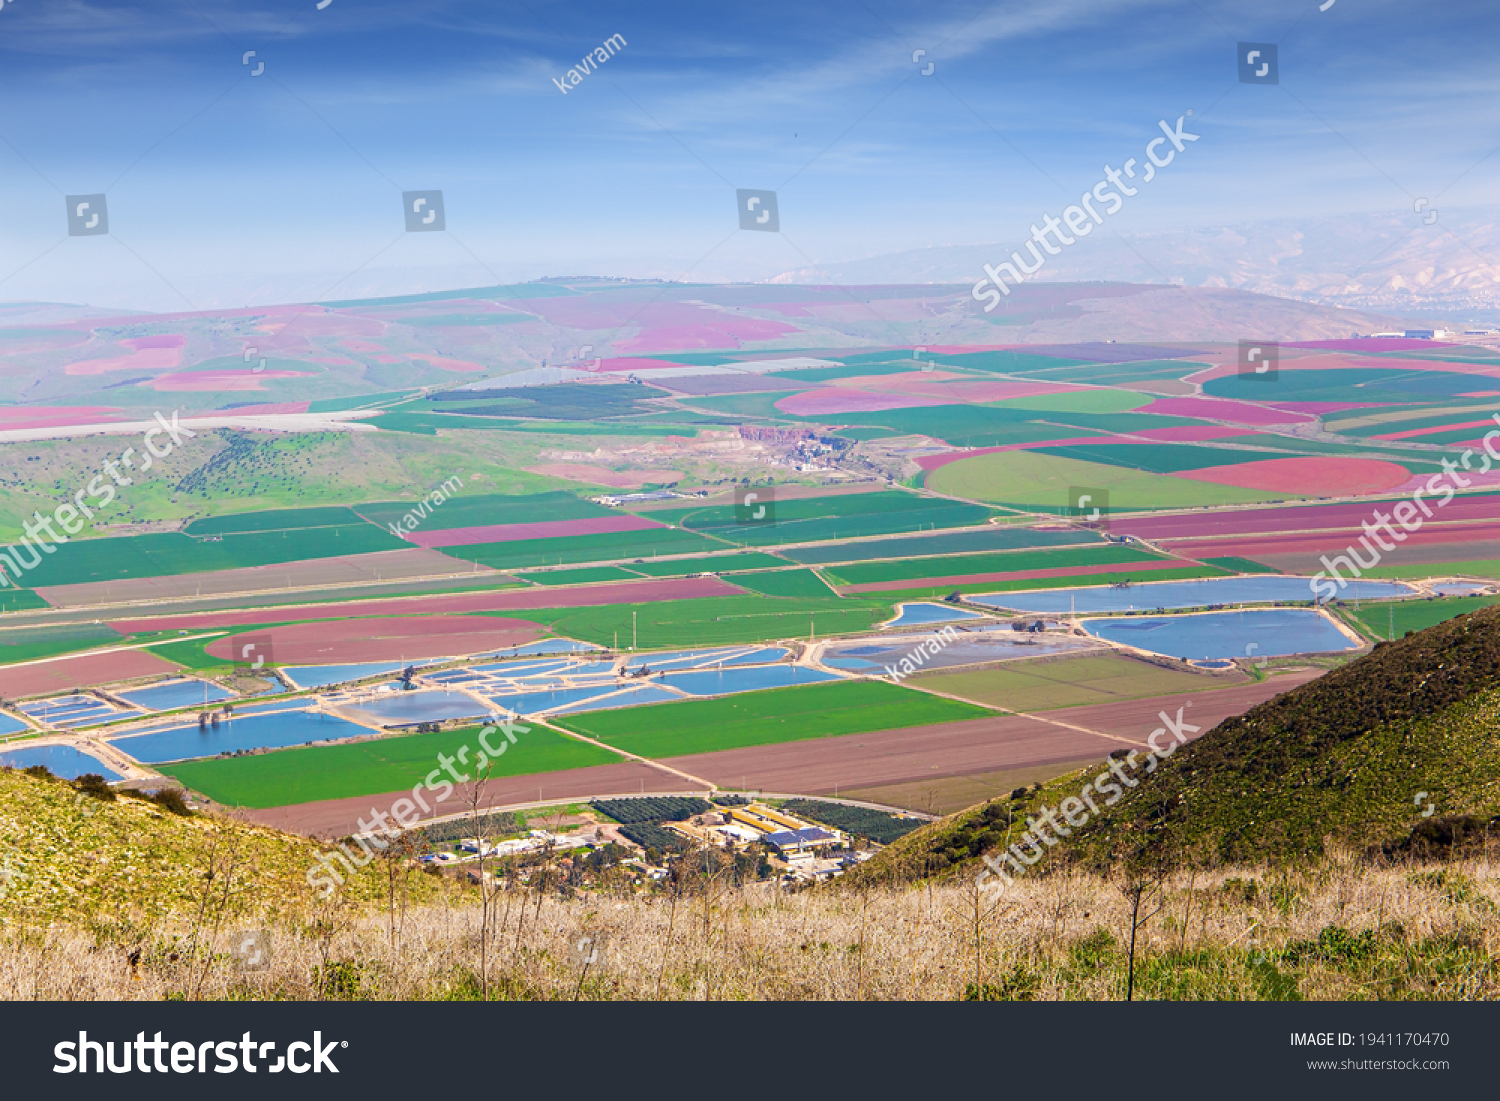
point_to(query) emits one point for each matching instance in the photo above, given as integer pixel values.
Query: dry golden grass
(1338, 932)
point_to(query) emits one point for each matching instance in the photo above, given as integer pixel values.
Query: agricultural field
(605, 547)
(1050, 683)
(817, 519)
(951, 542)
(170, 553)
(1025, 479)
(769, 718)
(315, 773)
(916, 569)
(664, 808)
(719, 563)
(711, 621)
(1382, 621)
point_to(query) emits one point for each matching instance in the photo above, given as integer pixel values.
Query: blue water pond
(1257, 633)
(1181, 594)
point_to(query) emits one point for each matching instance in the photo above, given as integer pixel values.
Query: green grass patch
(1037, 480)
(1487, 568)
(787, 583)
(915, 569)
(1413, 615)
(1237, 564)
(606, 547)
(722, 563)
(814, 519)
(1185, 573)
(276, 519)
(988, 538)
(31, 643)
(1072, 682)
(585, 576)
(313, 773)
(711, 621)
(770, 717)
(463, 510)
(1080, 401)
(20, 600)
(170, 553)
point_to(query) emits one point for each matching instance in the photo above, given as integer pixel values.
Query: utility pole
(634, 640)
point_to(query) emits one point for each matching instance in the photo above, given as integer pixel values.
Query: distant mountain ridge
(1390, 262)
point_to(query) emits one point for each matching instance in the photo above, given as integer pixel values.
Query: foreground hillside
(72, 858)
(1395, 752)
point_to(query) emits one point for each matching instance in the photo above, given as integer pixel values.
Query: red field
(1236, 412)
(586, 596)
(385, 639)
(1321, 476)
(1298, 518)
(544, 529)
(63, 673)
(1333, 542)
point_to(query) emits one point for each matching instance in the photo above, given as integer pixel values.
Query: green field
(313, 773)
(712, 621)
(1034, 480)
(585, 576)
(957, 565)
(169, 553)
(928, 592)
(463, 510)
(30, 643)
(20, 600)
(769, 718)
(1238, 565)
(1488, 568)
(1414, 615)
(608, 547)
(276, 519)
(1155, 458)
(1070, 682)
(799, 584)
(1080, 401)
(813, 519)
(681, 567)
(954, 542)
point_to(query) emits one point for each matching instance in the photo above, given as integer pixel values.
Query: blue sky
(228, 189)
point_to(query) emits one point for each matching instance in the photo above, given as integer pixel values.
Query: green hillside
(1352, 759)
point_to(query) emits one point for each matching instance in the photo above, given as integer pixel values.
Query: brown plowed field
(350, 569)
(1136, 719)
(63, 673)
(979, 745)
(383, 639)
(340, 817)
(894, 756)
(584, 596)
